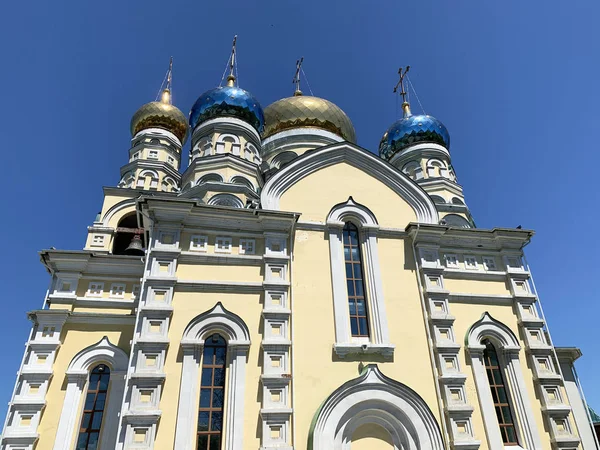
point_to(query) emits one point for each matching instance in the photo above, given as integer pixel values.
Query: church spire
(231, 77)
(296, 79)
(405, 105)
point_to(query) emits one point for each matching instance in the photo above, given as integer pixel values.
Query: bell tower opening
(128, 238)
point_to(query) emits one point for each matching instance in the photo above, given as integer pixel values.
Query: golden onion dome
(163, 115)
(302, 111)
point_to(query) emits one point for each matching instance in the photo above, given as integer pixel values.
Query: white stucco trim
(125, 204)
(375, 398)
(366, 222)
(237, 335)
(362, 159)
(508, 348)
(103, 352)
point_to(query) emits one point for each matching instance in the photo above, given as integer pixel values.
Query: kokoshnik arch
(291, 290)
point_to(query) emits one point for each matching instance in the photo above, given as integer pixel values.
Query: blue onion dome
(412, 130)
(162, 115)
(305, 111)
(228, 101)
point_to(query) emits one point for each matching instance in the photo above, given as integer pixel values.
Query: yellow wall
(316, 194)
(74, 337)
(476, 287)
(208, 272)
(188, 305)
(313, 323)
(371, 437)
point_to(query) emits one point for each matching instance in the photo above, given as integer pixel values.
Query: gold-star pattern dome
(302, 111)
(163, 115)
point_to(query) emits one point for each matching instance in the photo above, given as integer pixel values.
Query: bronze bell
(135, 247)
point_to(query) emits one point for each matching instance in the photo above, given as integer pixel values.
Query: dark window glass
(212, 392)
(93, 409)
(499, 394)
(357, 303)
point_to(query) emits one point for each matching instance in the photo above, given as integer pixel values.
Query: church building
(290, 290)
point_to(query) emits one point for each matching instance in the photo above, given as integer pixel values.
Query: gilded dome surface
(160, 115)
(412, 130)
(228, 101)
(307, 111)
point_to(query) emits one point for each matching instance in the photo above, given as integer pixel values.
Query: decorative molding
(505, 340)
(77, 373)
(362, 159)
(236, 333)
(375, 398)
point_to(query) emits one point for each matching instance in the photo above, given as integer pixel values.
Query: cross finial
(166, 93)
(405, 106)
(296, 79)
(231, 77)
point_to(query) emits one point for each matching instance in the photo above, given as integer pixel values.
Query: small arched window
(93, 408)
(357, 302)
(500, 394)
(212, 394)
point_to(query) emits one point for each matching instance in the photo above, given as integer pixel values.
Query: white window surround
(223, 244)
(373, 398)
(247, 247)
(508, 347)
(379, 341)
(199, 243)
(103, 352)
(95, 289)
(237, 335)
(117, 290)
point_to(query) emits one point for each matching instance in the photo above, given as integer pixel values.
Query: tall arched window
(499, 394)
(93, 409)
(212, 394)
(357, 302)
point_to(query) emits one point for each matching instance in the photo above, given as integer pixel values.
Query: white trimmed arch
(103, 352)
(235, 331)
(321, 158)
(226, 200)
(121, 209)
(366, 222)
(508, 349)
(373, 398)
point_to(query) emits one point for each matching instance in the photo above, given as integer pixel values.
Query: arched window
(212, 394)
(499, 394)
(93, 409)
(357, 302)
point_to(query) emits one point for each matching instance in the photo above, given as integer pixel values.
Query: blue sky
(515, 84)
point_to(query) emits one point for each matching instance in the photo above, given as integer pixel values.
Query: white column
(108, 441)
(486, 401)
(234, 412)
(188, 398)
(338, 281)
(70, 410)
(521, 403)
(375, 298)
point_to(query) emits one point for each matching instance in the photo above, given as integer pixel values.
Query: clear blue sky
(515, 83)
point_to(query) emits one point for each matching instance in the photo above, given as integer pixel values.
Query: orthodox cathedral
(291, 290)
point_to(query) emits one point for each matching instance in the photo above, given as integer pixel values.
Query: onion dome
(412, 130)
(302, 111)
(228, 101)
(160, 114)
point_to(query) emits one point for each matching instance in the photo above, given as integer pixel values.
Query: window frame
(89, 429)
(353, 298)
